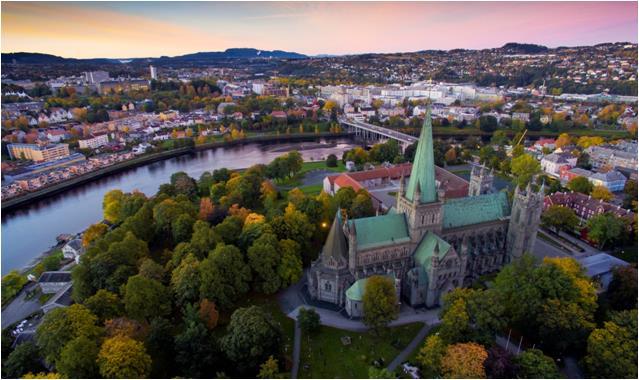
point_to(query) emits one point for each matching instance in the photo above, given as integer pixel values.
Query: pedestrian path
(412, 346)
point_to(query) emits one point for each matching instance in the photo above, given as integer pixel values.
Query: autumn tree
(622, 290)
(264, 258)
(185, 281)
(290, 266)
(62, 325)
(362, 205)
(121, 357)
(380, 302)
(601, 192)
(563, 140)
(111, 205)
(430, 356)
(93, 232)
(465, 361)
(269, 369)
(208, 313)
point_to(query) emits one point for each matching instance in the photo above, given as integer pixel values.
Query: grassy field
(312, 189)
(307, 166)
(324, 356)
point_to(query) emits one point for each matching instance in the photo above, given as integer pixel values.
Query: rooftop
(460, 212)
(378, 231)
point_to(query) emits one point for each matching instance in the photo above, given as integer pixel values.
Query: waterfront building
(94, 141)
(38, 153)
(428, 243)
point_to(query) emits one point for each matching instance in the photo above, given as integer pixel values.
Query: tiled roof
(336, 241)
(378, 231)
(460, 212)
(600, 263)
(345, 180)
(430, 245)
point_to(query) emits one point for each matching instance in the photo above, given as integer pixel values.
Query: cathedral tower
(481, 181)
(524, 221)
(419, 200)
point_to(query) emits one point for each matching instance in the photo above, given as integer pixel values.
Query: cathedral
(427, 244)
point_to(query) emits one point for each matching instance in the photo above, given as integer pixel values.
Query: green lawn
(307, 166)
(326, 357)
(312, 189)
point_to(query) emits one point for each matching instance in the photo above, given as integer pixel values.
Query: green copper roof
(460, 212)
(422, 177)
(430, 245)
(378, 231)
(356, 291)
(335, 245)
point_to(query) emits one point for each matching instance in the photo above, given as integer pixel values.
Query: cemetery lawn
(324, 356)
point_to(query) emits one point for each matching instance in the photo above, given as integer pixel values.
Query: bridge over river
(370, 132)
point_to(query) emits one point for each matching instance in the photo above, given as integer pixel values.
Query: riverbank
(14, 203)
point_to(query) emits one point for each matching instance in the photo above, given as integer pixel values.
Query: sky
(151, 29)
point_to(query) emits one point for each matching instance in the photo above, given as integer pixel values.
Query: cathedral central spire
(422, 178)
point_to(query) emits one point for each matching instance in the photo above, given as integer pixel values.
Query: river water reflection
(30, 230)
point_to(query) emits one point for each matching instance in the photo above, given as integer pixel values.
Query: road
(20, 308)
(297, 347)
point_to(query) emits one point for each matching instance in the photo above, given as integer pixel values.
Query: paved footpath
(412, 346)
(297, 347)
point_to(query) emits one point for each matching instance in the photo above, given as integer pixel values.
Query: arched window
(328, 287)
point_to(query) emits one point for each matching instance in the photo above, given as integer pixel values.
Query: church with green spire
(428, 244)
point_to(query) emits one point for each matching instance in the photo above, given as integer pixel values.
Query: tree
(264, 258)
(112, 204)
(430, 356)
(379, 302)
(622, 290)
(290, 267)
(601, 192)
(499, 364)
(268, 369)
(182, 228)
(488, 123)
(563, 140)
(208, 313)
(464, 360)
(224, 276)
(230, 229)
(62, 325)
(362, 205)
(12, 283)
(252, 336)
(184, 184)
(104, 305)
(560, 218)
(308, 319)
(203, 239)
(499, 138)
(146, 298)
(185, 281)
(93, 232)
(78, 359)
(294, 225)
(160, 345)
(455, 322)
(195, 347)
(605, 229)
(331, 161)
(25, 358)
(524, 168)
(533, 364)
(152, 270)
(580, 184)
(121, 357)
(612, 352)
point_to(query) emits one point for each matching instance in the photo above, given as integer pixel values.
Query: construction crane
(521, 138)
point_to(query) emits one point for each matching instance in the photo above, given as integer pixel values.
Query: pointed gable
(422, 178)
(335, 246)
(430, 246)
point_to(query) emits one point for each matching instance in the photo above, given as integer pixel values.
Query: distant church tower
(481, 181)
(420, 200)
(524, 221)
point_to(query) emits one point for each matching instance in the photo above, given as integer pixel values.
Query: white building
(94, 142)
(552, 163)
(154, 72)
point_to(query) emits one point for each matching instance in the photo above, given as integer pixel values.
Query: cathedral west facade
(428, 244)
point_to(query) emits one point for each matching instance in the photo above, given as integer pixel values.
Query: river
(32, 229)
